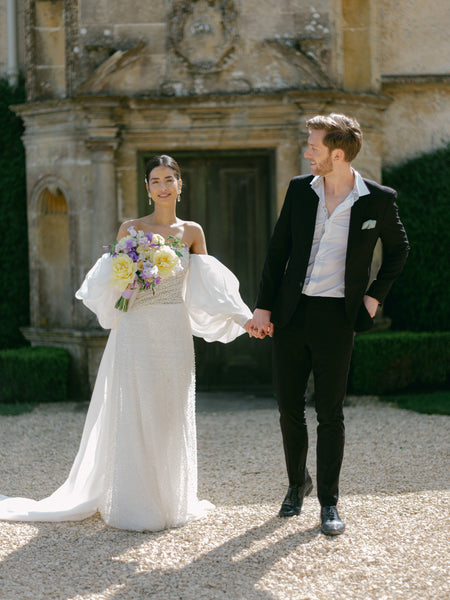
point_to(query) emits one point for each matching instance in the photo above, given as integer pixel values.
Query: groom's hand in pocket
(371, 305)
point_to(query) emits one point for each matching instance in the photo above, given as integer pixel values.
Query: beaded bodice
(168, 291)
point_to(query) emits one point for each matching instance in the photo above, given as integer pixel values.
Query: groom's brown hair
(342, 133)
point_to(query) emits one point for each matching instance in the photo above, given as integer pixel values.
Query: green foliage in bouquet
(14, 281)
(420, 299)
(33, 375)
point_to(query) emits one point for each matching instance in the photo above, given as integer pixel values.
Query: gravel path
(394, 498)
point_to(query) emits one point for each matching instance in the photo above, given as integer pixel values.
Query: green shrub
(34, 374)
(386, 362)
(419, 301)
(14, 282)
(433, 403)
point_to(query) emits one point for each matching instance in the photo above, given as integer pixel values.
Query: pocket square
(370, 224)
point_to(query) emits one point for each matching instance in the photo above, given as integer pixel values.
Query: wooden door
(230, 195)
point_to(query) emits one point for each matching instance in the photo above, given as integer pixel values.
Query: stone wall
(418, 118)
(414, 61)
(414, 37)
(398, 49)
(197, 47)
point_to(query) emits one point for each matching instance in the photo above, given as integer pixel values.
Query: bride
(137, 461)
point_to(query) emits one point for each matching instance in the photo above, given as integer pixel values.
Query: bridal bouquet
(140, 260)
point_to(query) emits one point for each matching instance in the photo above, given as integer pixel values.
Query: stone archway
(53, 231)
(51, 260)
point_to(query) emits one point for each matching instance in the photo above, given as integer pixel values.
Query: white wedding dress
(137, 461)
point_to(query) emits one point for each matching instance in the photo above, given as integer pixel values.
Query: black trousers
(319, 337)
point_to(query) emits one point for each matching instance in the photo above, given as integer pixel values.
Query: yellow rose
(166, 260)
(122, 271)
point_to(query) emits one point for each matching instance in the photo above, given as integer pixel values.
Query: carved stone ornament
(203, 32)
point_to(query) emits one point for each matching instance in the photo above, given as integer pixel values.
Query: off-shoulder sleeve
(216, 309)
(99, 296)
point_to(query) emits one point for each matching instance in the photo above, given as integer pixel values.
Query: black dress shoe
(331, 522)
(292, 504)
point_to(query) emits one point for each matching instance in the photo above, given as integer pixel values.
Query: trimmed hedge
(34, 374)
(386, 362)
(420, 300)
(431, 403)
(14, 278)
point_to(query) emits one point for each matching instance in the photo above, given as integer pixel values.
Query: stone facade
(415, 73)
(109, 81)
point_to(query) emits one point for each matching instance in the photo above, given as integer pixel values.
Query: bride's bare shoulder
(123, 229)
(192, 227)
(194, 236)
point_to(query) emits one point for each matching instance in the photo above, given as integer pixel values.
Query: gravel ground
(394, 498)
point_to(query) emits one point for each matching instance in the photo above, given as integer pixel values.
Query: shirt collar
(359, 189)
(360, 185)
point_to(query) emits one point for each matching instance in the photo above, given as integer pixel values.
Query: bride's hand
(260, 325)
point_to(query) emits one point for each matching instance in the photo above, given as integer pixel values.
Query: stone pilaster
(104, 216)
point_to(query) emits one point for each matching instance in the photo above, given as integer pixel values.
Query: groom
(315, 293)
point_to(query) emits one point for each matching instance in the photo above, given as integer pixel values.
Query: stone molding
(119, 61)
(106, 114)
(421, 80)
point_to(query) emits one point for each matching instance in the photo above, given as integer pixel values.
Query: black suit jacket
(290, 247)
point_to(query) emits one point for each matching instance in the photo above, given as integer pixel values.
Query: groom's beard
(325, 167)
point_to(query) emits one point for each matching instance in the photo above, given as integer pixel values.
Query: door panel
(229, 194)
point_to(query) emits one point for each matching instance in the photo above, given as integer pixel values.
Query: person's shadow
(68, 560)
(231, 570)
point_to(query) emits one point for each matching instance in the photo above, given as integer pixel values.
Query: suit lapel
(357, 214)
(308, 215)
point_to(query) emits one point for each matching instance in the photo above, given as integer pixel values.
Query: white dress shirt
(325, 275)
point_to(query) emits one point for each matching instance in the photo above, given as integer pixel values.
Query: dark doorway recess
(231, 194)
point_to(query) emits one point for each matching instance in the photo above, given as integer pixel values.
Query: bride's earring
(148, 193)
(179, 198)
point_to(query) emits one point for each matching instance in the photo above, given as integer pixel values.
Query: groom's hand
(371, 305)
(260, 325)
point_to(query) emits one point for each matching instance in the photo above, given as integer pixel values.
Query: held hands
(259, 326)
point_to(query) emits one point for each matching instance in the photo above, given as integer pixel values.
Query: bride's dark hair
(162, 161)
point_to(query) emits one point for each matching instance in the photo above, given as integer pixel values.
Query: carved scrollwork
(203, 33)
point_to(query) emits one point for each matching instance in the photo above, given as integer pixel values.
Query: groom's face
(318, 154)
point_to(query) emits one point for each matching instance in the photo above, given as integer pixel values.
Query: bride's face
(163, 185)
